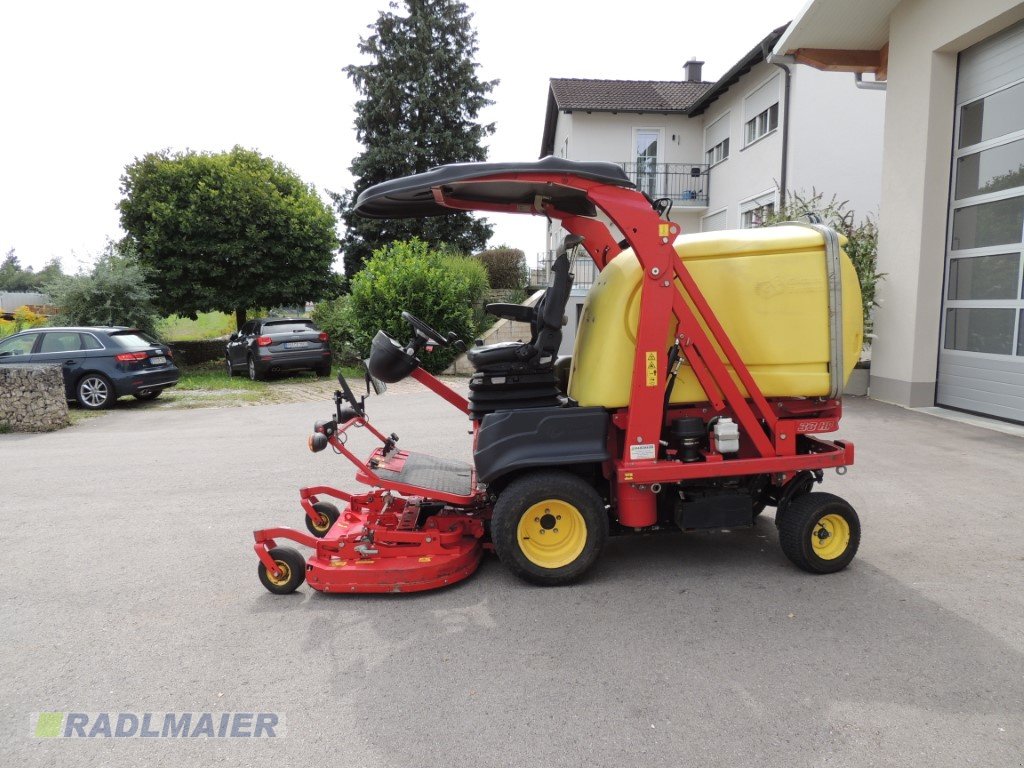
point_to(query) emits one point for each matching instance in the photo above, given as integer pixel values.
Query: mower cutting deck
(705, 368)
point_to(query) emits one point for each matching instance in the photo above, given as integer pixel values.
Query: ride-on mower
(705, 367)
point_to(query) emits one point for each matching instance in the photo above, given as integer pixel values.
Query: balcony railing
(685, 183)
(582, 267)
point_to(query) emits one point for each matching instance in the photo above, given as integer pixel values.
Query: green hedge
(506, 267)
(443, 289)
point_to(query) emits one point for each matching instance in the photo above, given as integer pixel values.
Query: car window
(287, 327)
(247, 328)
(60, 341)
(133, 340)
(90, 342)
(18, 345)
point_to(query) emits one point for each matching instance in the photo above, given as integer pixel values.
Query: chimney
(692, 70)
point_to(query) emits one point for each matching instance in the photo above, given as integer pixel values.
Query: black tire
(94, 392)
(328, 516)
(148, 394)
(230, 369)
(322, 371)
(807, 526)
(294, 566)
(549, 497)
(254, 372)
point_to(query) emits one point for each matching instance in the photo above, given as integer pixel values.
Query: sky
(87, 87)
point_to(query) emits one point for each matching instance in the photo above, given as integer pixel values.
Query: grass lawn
(209, 325)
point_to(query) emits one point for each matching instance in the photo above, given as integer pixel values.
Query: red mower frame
(376, 546)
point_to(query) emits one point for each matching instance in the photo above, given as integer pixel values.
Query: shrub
(862, 245)
(506, 267)
(443, 289)
(22, 318)
(335, 317)
(114, 293)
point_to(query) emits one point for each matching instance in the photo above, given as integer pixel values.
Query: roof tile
(627, 95)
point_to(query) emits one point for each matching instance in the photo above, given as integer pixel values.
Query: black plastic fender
(540, 437)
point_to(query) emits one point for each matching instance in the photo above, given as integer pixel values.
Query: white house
(723, 151)
(950, 331)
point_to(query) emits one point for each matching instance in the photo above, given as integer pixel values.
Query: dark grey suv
(276, 344)
(99, 363)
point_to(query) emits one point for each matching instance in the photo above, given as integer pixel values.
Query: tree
(18, 279)
(226, 232)
(116, 292)
(420, 100)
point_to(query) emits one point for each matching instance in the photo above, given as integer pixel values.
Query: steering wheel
(432, 335)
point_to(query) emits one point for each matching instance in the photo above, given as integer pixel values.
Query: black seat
(546, 320)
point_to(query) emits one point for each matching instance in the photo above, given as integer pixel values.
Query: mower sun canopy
(518, 185)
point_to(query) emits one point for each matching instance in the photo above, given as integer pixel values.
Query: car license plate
(295, 344)
(158, 360)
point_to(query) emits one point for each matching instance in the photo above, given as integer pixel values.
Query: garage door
(981, 359)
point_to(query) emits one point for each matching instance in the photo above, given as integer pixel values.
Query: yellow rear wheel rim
(322, 524)
(552, 533)
(830, 537)
(282, 579)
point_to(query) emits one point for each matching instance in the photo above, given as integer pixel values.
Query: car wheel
(323, 370)
(95, 392)
(228, 368)
(148, 394)
(254, 374)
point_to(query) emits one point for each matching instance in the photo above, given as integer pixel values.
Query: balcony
(582, 267)
(685, 183)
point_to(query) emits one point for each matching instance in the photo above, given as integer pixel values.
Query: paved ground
(130, 585)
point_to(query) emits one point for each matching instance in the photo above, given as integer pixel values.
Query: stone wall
(32, 398)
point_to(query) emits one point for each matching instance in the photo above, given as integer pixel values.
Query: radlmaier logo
(158, 725)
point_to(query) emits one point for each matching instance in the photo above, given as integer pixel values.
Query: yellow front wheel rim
(552, 533)
(322, 524)
(830, 537)
(282, 579)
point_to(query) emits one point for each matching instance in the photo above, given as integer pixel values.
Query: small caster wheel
(293, 571)
(328, 516)
(819, 533)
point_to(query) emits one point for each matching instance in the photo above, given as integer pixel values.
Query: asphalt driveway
(130, 586)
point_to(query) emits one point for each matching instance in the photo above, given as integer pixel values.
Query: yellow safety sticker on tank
(426, 559)
(652, 369)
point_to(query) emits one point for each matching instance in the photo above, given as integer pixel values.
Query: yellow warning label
(652, 369)
(364, 562)
(425, 559)
(339, 563)
(663, 230)
(629, 475)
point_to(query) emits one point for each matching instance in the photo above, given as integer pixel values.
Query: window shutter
(761, 99)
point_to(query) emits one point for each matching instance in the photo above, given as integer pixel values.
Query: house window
(646, 155)
(716, 140)
(717, 153)
(762, 124)
(757, 211)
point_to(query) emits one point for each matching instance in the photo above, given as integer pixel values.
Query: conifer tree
(420, 100)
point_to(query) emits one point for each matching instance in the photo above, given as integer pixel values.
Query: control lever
(456, 342)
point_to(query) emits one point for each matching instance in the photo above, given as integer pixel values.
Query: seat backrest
(550, 312)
